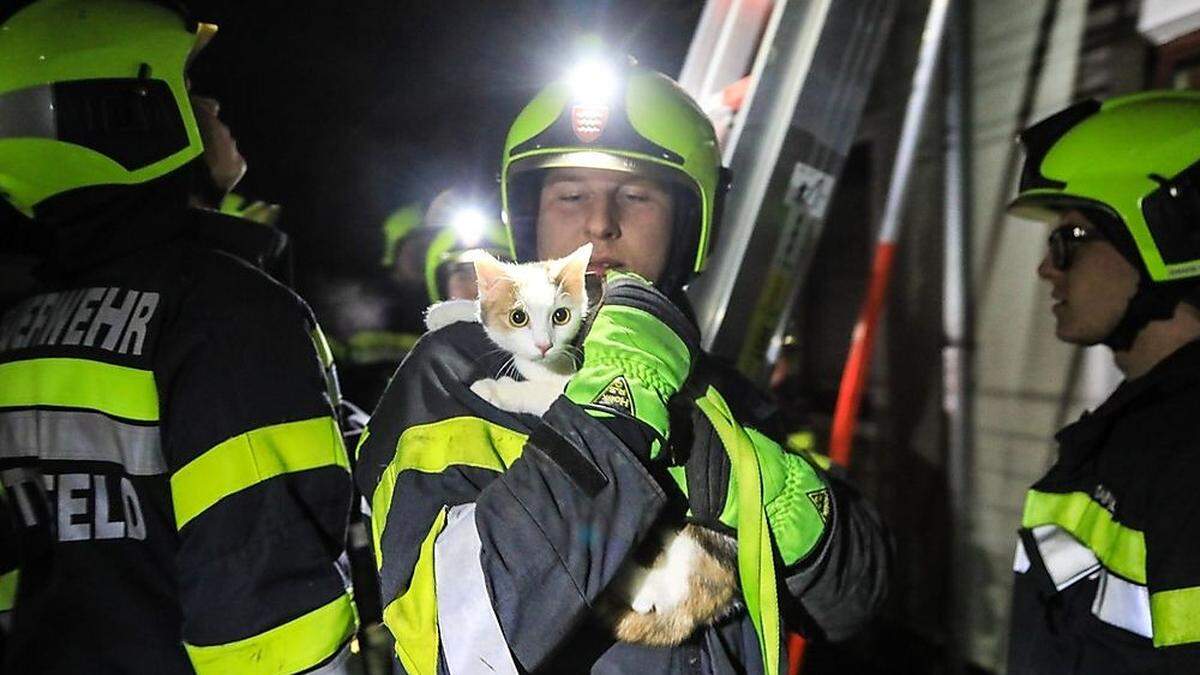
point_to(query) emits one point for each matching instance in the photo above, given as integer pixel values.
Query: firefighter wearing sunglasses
(1108, 559)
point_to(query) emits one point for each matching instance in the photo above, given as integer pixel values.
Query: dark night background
(348, 110)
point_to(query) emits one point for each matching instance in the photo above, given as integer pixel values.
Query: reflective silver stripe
(74, 435)
(1066, 559)
(28, 113)
(338, 666)
(470, 633)
(1021, 562)
(1123, 604)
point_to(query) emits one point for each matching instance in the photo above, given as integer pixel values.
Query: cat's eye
(561, 316)
(518, 318)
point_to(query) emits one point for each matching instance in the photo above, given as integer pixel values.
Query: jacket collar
(1178, 371)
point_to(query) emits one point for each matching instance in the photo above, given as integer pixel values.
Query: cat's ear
(488, 271)
(572, 268)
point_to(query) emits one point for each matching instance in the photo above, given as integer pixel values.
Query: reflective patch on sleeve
(1065, 558)
(471, 637)
(1123, 604)
(251, 458)
(1176, 616)
(1119, 548)
(298, 645)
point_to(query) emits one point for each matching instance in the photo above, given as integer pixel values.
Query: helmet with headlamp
(626, 118)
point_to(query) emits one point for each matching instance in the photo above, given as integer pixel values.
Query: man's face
(1092, 293)
(626, 218)
(225, 164)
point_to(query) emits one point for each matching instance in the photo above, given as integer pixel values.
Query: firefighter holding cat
(499, 534)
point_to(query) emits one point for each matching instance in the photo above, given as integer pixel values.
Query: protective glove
(637, 355)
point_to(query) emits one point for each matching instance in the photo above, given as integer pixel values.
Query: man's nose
(602, 222)
(1046, 268)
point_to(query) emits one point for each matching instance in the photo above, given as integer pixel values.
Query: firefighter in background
(449, 270)
(1108, 559)
(179, 485)
(497, 533)
(374, 320)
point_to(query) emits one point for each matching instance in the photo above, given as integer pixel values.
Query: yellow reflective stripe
(756, 561)
(412, 616)
(250, 458)
(80, 383)
(324, 353)
(1175, 616)
(434, 447)
(297, 645)
(1121, 549)
(8, 589)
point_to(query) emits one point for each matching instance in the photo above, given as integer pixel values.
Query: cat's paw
(494, 391)
(485, 389)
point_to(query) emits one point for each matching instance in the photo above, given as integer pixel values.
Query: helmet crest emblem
(588, 121)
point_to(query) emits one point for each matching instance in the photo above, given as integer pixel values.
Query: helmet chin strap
(1151, 302)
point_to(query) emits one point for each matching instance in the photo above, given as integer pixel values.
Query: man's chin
(1074, 336)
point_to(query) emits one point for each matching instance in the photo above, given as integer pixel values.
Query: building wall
(1021, 369)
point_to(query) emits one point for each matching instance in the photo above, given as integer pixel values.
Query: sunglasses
(1064, 240)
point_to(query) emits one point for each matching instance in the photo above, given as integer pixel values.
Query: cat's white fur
(538, 291)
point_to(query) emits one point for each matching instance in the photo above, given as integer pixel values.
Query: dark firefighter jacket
(1108, 561)
(169, 454)
(553, 508)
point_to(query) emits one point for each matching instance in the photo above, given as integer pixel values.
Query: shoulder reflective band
(296, 646)
(1176, 616)
(412, 616)
(250, 458)
(123, 392)
(756, 560)
(1120, 549)
(469, 630)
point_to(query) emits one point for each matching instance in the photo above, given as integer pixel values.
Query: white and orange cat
(683, 577)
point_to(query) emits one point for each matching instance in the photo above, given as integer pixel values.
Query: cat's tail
(442, 314)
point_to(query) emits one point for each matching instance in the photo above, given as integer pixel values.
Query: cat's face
(534, 310)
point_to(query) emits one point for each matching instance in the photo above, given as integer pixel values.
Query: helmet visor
(134, 122)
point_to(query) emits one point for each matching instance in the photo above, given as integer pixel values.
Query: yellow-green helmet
(645, 124)
(92, 92)
(1134, 159)
(398, 225)
(467, 232)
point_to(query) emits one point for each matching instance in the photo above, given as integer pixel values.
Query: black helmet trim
(1039, 138)
(1172, 214)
